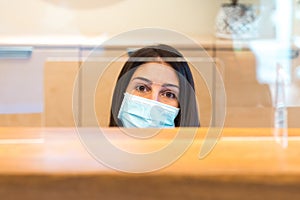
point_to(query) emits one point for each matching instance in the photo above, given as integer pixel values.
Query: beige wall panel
(28, 120)
(59, 83)
(249, 104)
(293, 117)
(104, 92)
(249, 117)
(204, 81)
(248, 95)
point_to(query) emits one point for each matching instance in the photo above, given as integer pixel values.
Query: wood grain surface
(53, 163)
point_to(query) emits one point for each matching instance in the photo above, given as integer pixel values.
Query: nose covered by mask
(140, 112)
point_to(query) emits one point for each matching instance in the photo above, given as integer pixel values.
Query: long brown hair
(188, 114)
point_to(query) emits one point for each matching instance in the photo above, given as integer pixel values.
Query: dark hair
(188, 113)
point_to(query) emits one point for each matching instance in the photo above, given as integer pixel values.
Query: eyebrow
(150, 82)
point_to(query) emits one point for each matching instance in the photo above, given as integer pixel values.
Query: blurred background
(253, 46)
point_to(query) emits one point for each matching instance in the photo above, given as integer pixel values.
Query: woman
(155, 88)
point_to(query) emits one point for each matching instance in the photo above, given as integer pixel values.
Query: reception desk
(53, 163)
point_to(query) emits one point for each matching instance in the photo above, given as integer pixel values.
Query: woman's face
(155, 81)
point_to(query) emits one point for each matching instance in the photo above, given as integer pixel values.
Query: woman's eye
(142, 88)
(170, 95)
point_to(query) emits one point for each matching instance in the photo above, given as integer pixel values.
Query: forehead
(157, 72)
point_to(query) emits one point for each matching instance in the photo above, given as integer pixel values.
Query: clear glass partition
(256, 52)
(34, 80)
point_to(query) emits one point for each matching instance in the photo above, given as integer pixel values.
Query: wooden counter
(52, 163)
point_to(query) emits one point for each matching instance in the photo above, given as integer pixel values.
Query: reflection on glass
(280, 115)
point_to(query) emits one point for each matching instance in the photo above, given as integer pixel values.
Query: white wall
(94, 17)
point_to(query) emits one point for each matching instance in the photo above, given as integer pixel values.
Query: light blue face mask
(140, 112)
